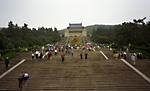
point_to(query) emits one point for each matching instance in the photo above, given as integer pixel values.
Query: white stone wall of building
(84, 33)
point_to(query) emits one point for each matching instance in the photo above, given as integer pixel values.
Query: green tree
(24, 31)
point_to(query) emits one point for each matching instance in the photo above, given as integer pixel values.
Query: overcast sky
(59, 13)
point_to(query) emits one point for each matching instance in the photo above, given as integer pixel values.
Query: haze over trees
(15, 36)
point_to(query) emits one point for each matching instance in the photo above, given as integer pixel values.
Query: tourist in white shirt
(55, 51)
(133, 59)
(32, 56)
(37, 52)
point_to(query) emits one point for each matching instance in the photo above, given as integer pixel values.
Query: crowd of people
(132, 56)
(65, 50)
(120, 55)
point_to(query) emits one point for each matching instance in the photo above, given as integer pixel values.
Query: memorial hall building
(75, 30)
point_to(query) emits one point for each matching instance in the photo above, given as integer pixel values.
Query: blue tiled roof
(75, 25)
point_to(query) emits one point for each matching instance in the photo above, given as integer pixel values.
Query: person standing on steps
(81, 55)
(7, 62)
(86, 55)
(20, 80)
(124, 54)
(50, 56)
(41, 55)
(25, 77)
(62, 49)
(72, 52)
(63, 57)
(56, 51)
(32, 56)
(69, 51)
(133, 59)
(66, 51)
(37, 52)
(59, 49)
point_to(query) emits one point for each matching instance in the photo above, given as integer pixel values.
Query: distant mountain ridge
(95, 27)
(90, 28)
(2, 28)
(61, 31)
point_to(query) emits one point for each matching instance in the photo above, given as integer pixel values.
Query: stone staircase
(93, 74)
(63, 41)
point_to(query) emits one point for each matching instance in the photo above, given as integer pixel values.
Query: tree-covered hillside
(95, 27)
(61, 31)
(15, 36)
(103, 34)
(133, 35)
